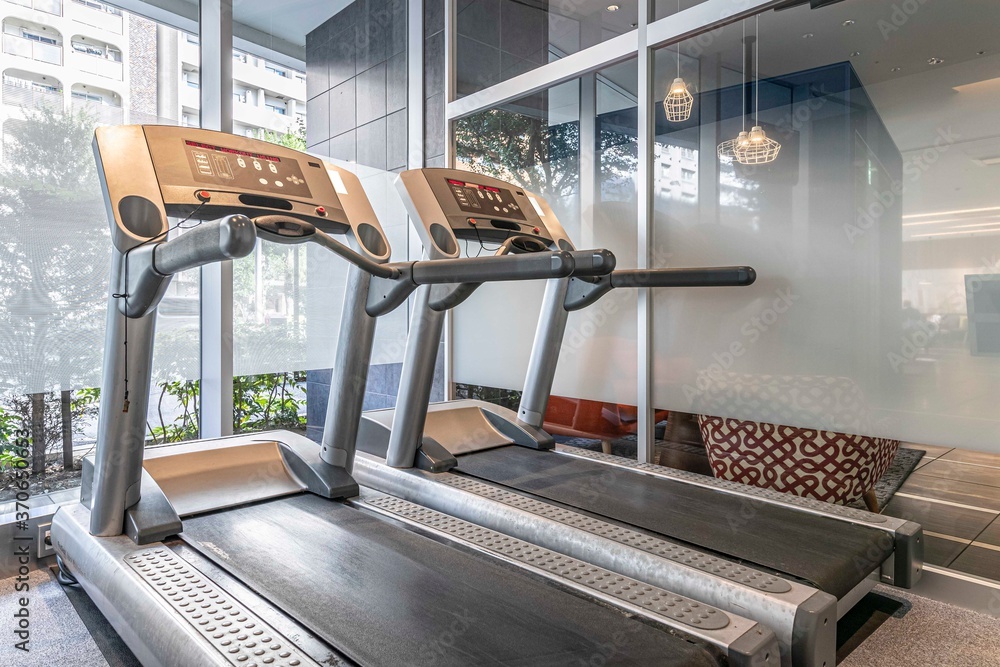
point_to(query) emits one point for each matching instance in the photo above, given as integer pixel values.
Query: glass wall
(331, 80)
(68, 67)
(874, 231)
(575, 145)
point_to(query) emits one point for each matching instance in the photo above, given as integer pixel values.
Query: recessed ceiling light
(634, 25)
(613, 8)
(980, 53)
(934, 61)
(847, 23)
(895, 69)
(807, 35)
(855, 54)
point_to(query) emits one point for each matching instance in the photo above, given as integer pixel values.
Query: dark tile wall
(434, 83)
(356, 84)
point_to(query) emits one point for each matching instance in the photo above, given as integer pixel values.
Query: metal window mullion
(644, 182)
(216, 73)
(415, 93)
(450, 81)
(600, 56)
(702, 18)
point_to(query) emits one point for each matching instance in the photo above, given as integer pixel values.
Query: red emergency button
(472, 221)
(537, 230)
(320, 211)
(203, 195)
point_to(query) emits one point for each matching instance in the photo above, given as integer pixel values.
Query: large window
(575, 145)
(54, 250)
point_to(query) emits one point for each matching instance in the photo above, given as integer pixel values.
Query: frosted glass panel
(54, 241)
(875, 233)
(545, 153)
(288, 299)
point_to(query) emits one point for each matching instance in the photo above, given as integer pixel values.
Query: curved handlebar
(231, 237)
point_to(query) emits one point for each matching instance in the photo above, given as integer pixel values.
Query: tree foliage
(524, 148)
(53, 251)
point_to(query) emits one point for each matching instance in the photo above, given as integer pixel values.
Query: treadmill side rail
(157, 632)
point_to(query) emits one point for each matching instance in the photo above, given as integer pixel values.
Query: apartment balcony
(103, 114)
(31, 98)
(255, 75)
(255, 116)
(102, 16)
(54, 7)
(14, 45)
(190, 97)
(108, 69)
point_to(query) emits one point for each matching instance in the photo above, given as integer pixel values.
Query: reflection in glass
(875, 232)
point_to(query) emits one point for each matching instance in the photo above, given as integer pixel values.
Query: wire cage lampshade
(757, 149)
(727, 149)
(678, 102)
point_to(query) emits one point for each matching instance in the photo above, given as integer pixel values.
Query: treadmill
(794, 564)
(262, 549)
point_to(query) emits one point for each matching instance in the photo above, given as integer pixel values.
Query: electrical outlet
(45, 547)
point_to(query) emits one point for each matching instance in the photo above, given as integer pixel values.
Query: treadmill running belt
(384, 595)
(824, 552)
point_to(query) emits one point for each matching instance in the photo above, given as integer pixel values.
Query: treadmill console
(150, 172)
(452, 205)
(246, 170)
(240, 172)
(485, 199)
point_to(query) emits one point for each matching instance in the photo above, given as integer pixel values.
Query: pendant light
(679, 101)
(727, 149)
(758, 149)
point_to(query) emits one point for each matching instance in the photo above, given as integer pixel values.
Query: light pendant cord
(756, 67)
(678, 45)
(743, 79)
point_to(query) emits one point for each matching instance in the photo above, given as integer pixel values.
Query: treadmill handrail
(564, 296)
(149, 266)
(583, 293)
(387, 293)
(717, 276)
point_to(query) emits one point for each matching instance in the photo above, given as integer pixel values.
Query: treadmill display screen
(485, 200)
(230, 167)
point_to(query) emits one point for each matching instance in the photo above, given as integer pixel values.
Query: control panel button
(320, 211)
(274, 170)
(279, 184)
(536, 230)
(256, 165)
(263, 181)
(473, 222)
(203, 195)
(240, 161)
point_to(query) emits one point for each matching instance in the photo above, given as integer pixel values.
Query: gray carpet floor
(930, 634)
(58, 636)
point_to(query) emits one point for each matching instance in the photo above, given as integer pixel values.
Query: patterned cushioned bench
(833, 466)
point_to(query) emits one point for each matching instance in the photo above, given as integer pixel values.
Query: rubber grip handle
(231, 237)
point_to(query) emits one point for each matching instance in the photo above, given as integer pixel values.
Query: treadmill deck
(385, 595)
(823, 552)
